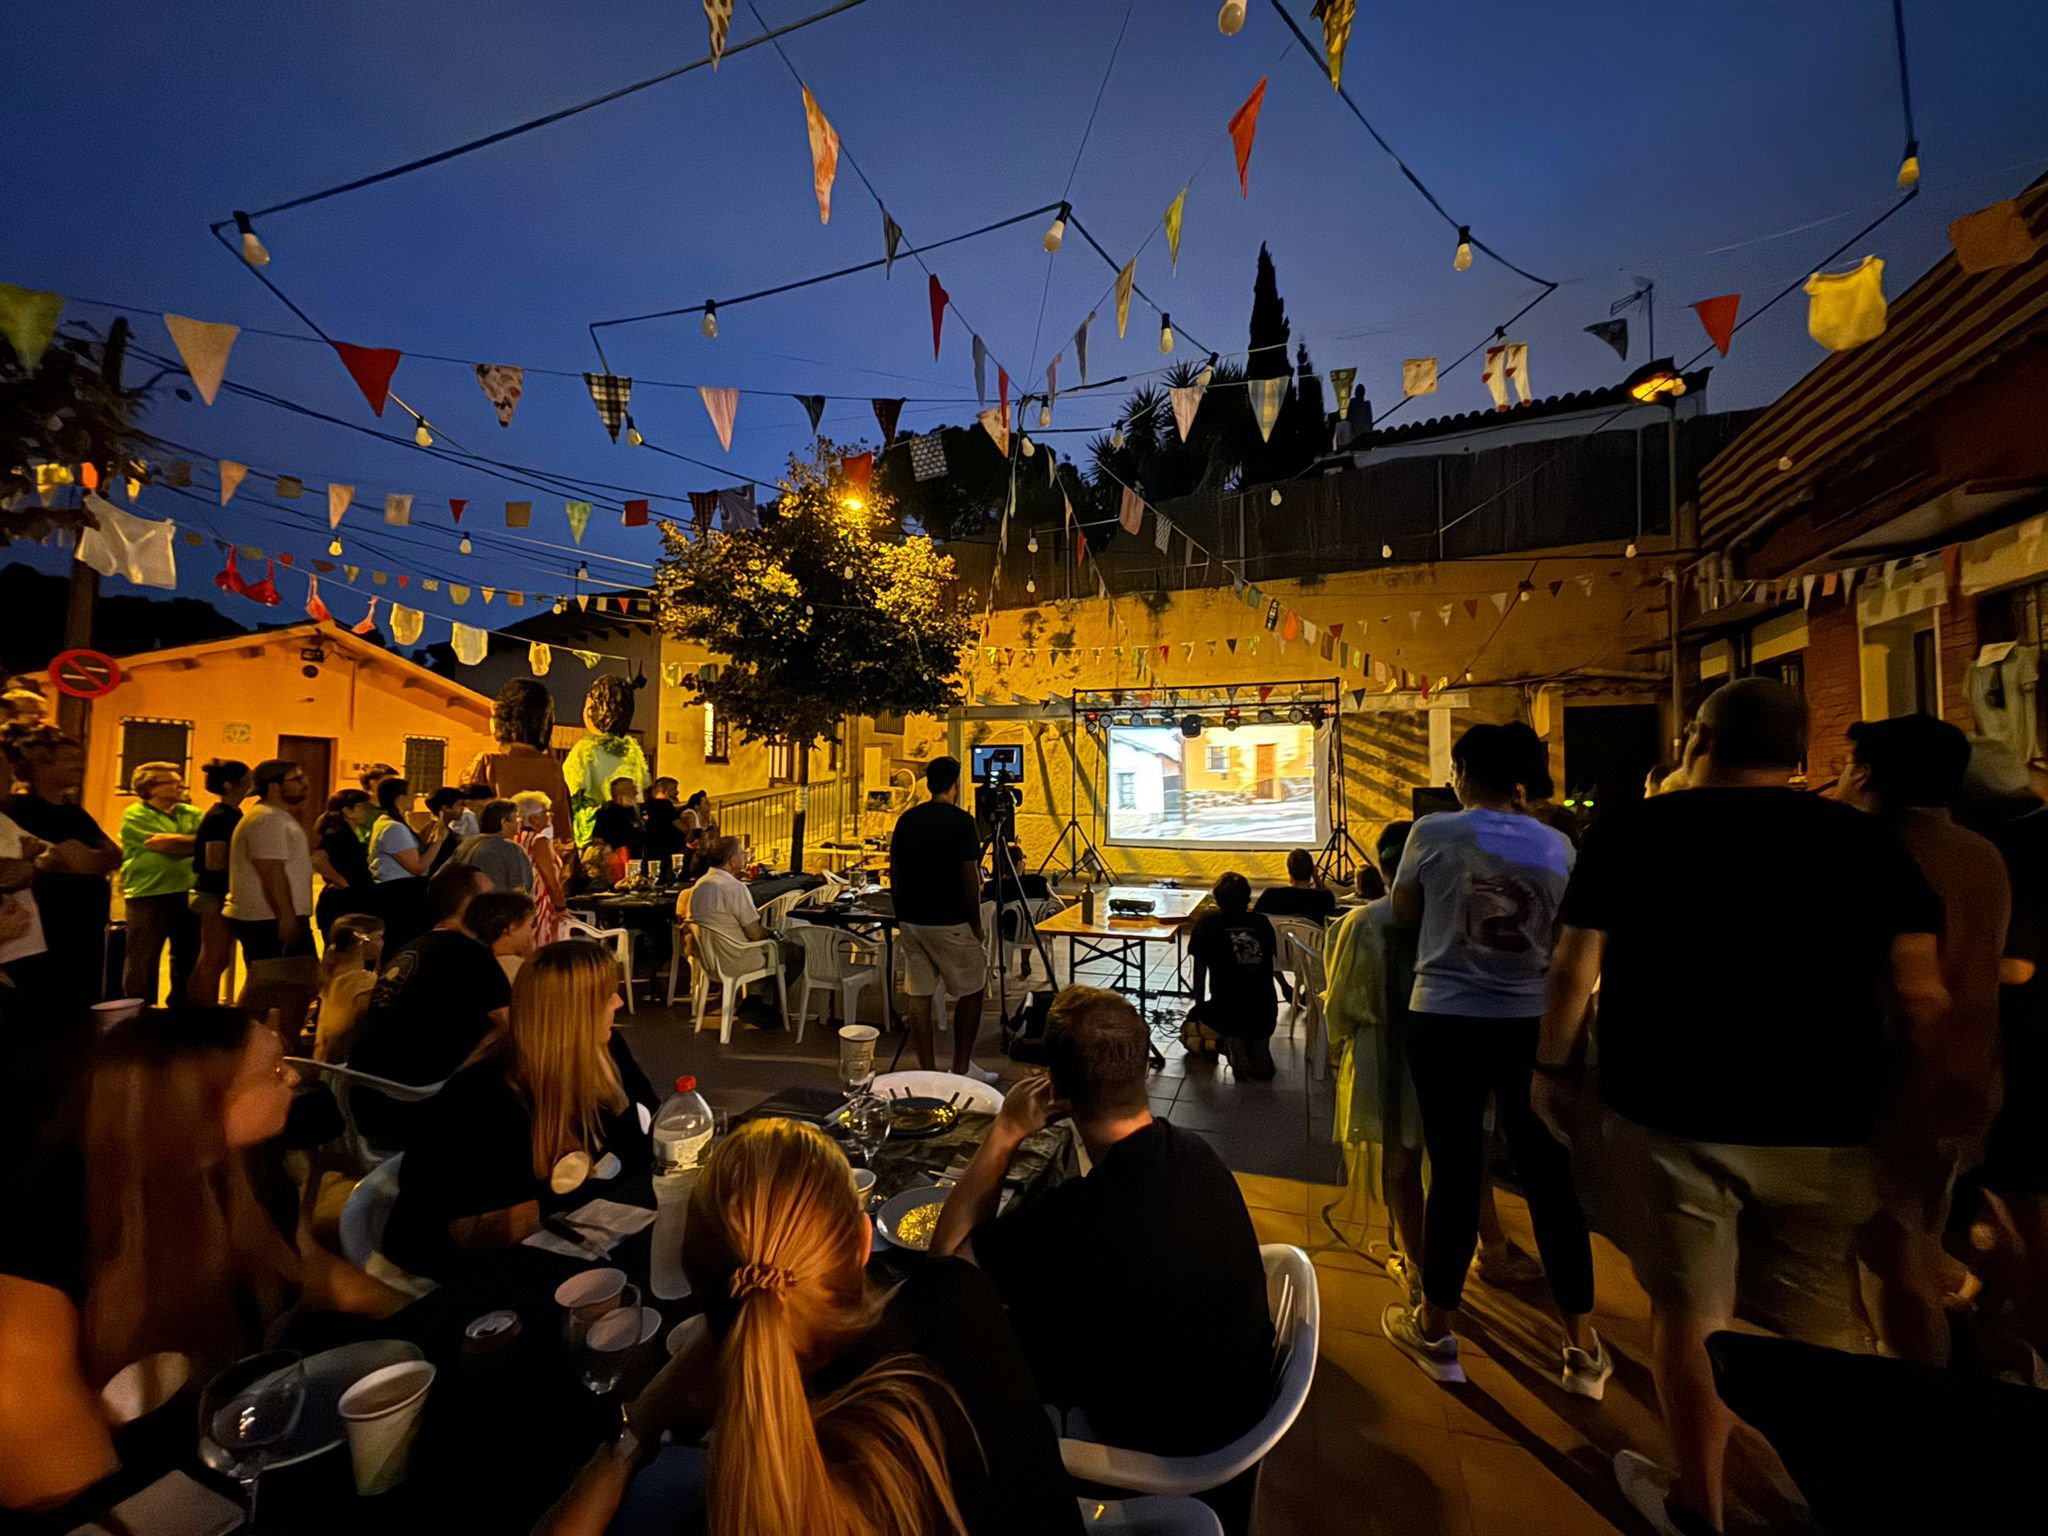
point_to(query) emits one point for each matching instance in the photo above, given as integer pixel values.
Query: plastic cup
(609, 1340)
(117, 1010)
(382, 1415)
(587, 1297)
(857, 1053)
(863, 1185)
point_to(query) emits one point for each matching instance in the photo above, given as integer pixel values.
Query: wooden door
(315, 756)
(1266, 768)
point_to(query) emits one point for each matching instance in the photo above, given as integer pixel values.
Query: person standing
(1483, 884)
(663, 820)
(1744, 1044)
(444, 832)
(342, 860)
(617, 827)
(158, 834)
(270, 868)
(71, 891)
(535, 835)
(228, 781)
(935, 879)
(397, 865)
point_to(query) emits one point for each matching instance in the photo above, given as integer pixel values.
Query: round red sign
(85, 674)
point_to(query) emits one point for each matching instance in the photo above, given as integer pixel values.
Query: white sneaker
(1647, 1487)
(1402, 1274)
(1586, 1371)
(981, 1076)
(1439, 1357)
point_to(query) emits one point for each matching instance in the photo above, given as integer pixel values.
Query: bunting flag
(371, 368)
(28, 319)
(1267, 396)
(1272, 622)
(1846, 309)
(1052, 385)
(939, 299)
(860, 472)
(1495, 375)
(633, 514)
(736, 505)
(1418, 377)
(1614, 333)
(1244, 125)
(469, 644)
(997, 425)
(203, 347)
(138, 550)
(459, 594)
(1290, 625)
(456, 504)
(1717, 317)
(1336, 16)
(887, 412)
(579, 518)
(180, 473)
(1341, 380)
(518, 514)
(980, 364)
(1499, 601)
(703, 506)
(1126, 280)
(264, 591)
(1992, 238)
(316, 610)
(502, 384)
(1517, 364)
(611, 395)
(1162, 532)
(289, 488)
(892, 238)
(488, 592)
(718, 15)
(824, 154)
(927, 457)
(232, 475)
(539, 657)
(398, 509)
(722, 405)
(814, 407)
(406, 624)
(1130, 512)
(1174, 210)
(339, 498)
(1187, 399)
(1003, 389)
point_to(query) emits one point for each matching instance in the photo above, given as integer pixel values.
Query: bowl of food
(911, 1220)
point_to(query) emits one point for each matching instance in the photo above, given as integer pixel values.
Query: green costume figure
(607, 753)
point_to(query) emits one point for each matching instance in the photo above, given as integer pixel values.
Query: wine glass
(867, 1125)
(250, 1409)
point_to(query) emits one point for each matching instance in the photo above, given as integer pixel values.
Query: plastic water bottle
(682, 1129)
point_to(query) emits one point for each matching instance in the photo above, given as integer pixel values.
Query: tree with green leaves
(828, 609)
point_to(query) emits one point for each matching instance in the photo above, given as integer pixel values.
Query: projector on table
(1132, 906)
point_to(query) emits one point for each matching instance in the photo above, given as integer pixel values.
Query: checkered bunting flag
(1162, 532)
(611, 395)
(927, 457)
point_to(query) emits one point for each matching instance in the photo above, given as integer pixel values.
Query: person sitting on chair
(1304, 895)
(1108, 1278)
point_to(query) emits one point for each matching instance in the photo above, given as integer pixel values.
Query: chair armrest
(1111, 1466)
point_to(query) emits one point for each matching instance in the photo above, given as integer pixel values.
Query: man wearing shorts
(1749, 940)
(935, 878)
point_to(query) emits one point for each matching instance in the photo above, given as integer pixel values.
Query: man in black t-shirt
(1744, 1044)
(1138, 1292)
(935, 881)
(71, 888)
(1302, 895)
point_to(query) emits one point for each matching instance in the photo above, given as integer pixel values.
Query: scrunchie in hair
(769, 1278)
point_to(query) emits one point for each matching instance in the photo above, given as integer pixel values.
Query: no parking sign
(82, 674)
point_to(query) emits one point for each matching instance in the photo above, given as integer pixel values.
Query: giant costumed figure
(605, 754)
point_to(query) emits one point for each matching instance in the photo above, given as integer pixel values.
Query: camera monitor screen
(1007, 763)
(1256, 787)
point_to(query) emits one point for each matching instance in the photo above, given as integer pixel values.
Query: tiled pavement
(1380, 1447)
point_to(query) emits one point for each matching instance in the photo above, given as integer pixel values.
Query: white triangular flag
(723, 405)
(1187, 399)
(203, 346)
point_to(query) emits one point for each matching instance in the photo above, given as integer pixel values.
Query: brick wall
(1834, 685)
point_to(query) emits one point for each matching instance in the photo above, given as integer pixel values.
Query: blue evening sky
(1710, 148)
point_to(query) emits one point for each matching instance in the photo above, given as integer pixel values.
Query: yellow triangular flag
(996, 422)
(203, 346)
(1173, 213)
(231, 477)
(1125, 280)
(1267, 396)
(338, 499)
(824, 154)
(28, 319)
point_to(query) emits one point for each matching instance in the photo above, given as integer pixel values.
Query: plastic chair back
(345, 1081)
(368, 1209)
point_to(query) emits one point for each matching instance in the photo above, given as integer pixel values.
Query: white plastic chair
(1288, 932)
(834, 961)
(618, 940)
(972, 1092)
(345, 1081)
(826, 894)
(1156, 1515)
(1296, 1305)
(1309, 983)
(776, 913)
(736, 964)
(367, 1210)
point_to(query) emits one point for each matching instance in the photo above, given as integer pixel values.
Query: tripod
(996, 848)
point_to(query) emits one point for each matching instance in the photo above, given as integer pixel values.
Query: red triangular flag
(371, 368)
(1244, 124)
(1471, 607)
(316, 610)
(939, 298)
(860, 471)
(635, 514)
(456, 505)
(1718, 316)
(1265, 689)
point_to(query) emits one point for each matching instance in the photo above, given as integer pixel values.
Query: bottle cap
(686, 1084)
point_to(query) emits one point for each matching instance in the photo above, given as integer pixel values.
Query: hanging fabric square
(1495, 375)
(1846, 309)
(1081, 346)
(1003, 391)
(980, 364)
(134, 548)
(1517, 364)
(316, 610)
(1267, 397)
(203, 347)
(611, 395)
(398, 509)
(1174, 210)
(824, 154)
(1418, 376)
(722, 405)
(1341, 380)
(502, 384)
(518, 514)
(997, 425)
(470, 644)
(1244, 126)
(887, 413)
(232, 475)
(703, 507)
(180, 473)
(927, 457)
(539, 658)
(718, 17)
(406, 624)
(339, 498)
(28, 319)
(371, 368)
(939, 298)
(1130, 512)
(1991, 238)
(736, 509)
(892, 238)
(633, 514)
(814, 407)
(1126, 280)
(289, 488)
(1187, 399)
(1162, 532)
(860, 472)
(459, 595)
(1336, 17)
(578, 513)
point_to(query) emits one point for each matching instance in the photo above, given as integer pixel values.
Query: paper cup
(857, 1052)
(118, 1010)
(382, 1415)
(585, 1298)
(863, 1185)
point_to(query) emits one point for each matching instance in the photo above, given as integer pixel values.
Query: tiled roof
(1613, 397)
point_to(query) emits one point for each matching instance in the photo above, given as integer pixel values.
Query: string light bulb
(1029, 448)
(1032, 545)
(421, 435)
(1275, 497)
(1524, 592)
(1045, 415)
(1386, 550)
(1166, 333)
(583, 571)
(1909, 168)
(252, 248)
(465, 546)
(1462, 262)
(1030, 585)
(1630, 552)
(1116, 438)
(1230, 20)
(1208, 373)
(335, 547)
(1056, 231)
(561, 606)
(709, 324)
(633, 437)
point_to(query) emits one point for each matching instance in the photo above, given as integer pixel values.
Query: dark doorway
(315, 755)
(1608, 748)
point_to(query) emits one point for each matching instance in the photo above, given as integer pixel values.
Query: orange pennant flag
(824, 154)
(1244, 125)
(1718, 316)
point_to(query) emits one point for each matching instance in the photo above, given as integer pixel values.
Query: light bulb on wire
(1630, 552)
(1386, 550)
(1462, 262)
(1056, 231)
(633, 437)
(421, 435)
(1208, 373)
(1029, 448)
(1030, 585)
(465, 546)
(1045, 415)
(1032, 546)
(709, 324)
(252, 248)
(1116, 438)
(1230, 20)
(583, 571)
(335, 547)
(1166, 333)
(1275, 497)
(1909, 168)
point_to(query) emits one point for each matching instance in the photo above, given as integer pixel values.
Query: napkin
(601, 1223)
(173, 1505)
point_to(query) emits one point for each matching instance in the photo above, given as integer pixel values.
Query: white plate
(889, 1219)
(328, 1375)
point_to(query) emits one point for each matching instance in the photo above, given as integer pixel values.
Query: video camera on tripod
(997, 773)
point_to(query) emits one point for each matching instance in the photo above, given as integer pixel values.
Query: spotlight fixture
(709, 324)
(1267, 717)
(1191, 726)
(1296, 715)
(1462, 262)
(1093, 720)
(1056, 231)
(252, 248)
(1232, 720)
(1317, 714)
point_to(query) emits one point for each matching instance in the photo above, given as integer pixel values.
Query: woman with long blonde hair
(834, 1409)
(518, 1130)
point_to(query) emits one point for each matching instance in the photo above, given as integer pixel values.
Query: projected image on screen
(1253, 787)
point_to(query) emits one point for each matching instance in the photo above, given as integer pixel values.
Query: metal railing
(763, 818)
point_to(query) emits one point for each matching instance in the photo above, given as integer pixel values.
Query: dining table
(1125, 940)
